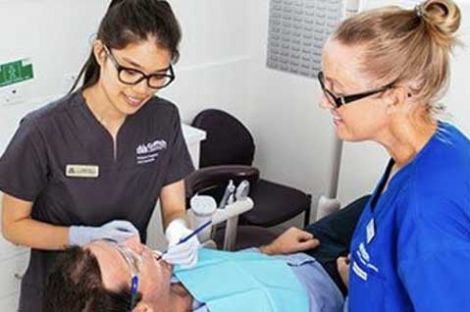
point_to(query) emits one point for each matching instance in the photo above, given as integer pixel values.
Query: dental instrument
(188, 237)
(242, 190)
(227, 194)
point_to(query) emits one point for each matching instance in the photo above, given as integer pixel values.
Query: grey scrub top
(62, 159)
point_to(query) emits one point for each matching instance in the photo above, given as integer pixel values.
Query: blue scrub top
(411, 248)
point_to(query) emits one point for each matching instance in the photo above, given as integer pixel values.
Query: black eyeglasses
(339, 101)
(133, 76)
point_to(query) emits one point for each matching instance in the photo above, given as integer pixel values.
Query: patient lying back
(104, 276)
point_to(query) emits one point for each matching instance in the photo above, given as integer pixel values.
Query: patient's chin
(143, 307)
(182, 298)
(179, 290)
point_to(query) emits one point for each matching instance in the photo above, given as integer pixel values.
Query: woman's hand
(342, 264)
(292, 240)
(116, 231)
(184, 254)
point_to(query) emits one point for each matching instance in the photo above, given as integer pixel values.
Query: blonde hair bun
(443, 17)
(406, 46)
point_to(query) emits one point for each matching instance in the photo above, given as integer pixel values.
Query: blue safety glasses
(133, 260)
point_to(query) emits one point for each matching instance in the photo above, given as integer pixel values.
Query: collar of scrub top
(133, 261)
(339, 101)
(383, 182)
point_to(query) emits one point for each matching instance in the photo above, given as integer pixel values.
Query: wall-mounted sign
(15, 72)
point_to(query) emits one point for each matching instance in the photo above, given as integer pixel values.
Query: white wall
(222, 65)
(214, 55)
(458, 98)
(56, 35)
(293, 135)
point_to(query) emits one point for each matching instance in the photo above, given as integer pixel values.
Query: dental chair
(230, 236)
(230, 143)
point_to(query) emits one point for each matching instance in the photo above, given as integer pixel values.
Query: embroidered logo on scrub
(149, 152)
(363, 256)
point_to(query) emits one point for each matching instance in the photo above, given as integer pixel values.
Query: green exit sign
(14, 72)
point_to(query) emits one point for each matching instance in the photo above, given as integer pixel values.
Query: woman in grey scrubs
(92, 165)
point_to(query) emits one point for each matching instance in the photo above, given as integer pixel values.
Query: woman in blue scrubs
(383, 72)
(92, 164)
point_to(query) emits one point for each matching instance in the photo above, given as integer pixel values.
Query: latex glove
(117, 230)
(184, 254)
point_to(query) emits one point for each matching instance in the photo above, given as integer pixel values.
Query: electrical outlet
(11, 95)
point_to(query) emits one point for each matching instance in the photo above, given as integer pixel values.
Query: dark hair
(75, 285)
(132, 21)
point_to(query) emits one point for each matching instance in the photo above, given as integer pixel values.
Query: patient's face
(154, 276)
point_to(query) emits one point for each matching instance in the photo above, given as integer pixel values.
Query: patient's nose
(134, 244)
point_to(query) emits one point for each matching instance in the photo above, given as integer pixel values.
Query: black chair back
(228, 141)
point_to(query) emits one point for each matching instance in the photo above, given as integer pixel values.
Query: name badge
(370, 230)
(82, 171)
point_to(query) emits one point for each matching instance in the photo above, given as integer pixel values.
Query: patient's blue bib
(243, 281)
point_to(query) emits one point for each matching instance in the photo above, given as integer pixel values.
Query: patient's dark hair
(75, 285)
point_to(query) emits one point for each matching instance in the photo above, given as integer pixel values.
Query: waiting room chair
(230, 143)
